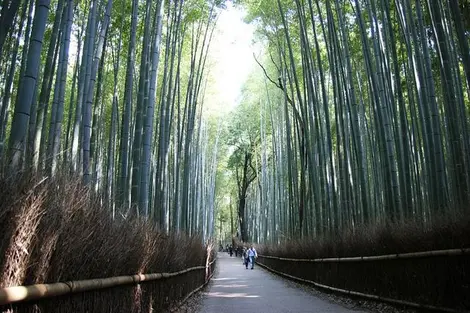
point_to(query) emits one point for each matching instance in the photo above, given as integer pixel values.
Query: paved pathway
(236, 289)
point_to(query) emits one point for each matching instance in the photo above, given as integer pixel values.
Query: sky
(231, 59)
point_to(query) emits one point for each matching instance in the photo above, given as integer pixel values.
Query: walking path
(236, 289)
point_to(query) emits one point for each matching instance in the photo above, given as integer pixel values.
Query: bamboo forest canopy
(112, 90)
(364, 109)
(355, 111)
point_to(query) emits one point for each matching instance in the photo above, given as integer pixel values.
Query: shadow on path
(236, 289)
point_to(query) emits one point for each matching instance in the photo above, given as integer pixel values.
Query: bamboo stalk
(40, 291)
(364, 295)
(435, 253)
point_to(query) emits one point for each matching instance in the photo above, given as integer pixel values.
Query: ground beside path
(236, 289)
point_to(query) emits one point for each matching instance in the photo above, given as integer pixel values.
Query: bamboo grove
(360, 113)
(363, 115)
(113, 90)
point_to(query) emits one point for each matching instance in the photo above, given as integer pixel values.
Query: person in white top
(252, 255)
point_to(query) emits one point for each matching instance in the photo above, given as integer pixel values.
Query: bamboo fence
(15, 294)
(364, 295)
(435, 253)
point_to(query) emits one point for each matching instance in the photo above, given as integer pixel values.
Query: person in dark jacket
(246, 258)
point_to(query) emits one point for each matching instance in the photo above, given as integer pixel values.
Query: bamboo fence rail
(197, 289)
(364, 295)
(435, 253)
(16, 294)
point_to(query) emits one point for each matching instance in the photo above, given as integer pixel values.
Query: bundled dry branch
(57, 230)
(449, 232)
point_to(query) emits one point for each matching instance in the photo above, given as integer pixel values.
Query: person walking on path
(246, 258)
(252, 255)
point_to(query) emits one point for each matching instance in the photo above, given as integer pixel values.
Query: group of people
(230, 250)
(248, 254)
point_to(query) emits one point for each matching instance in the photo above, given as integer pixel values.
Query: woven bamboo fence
(435, 280)
(133, 293)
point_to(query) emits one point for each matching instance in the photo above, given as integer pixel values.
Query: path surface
(236, 289)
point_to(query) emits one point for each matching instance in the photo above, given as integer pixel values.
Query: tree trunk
(26, 89)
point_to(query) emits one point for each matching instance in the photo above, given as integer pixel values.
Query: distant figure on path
(230, 250)
(238, 251)
(252, 255)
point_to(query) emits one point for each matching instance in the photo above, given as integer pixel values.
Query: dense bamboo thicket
(358, 114)
(363, 116)
(113, 91)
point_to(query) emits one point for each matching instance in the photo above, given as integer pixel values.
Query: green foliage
(243, 133)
